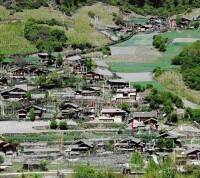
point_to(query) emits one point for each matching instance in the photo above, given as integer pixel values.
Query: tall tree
(59, 60)
(136, 161)
(32, 114)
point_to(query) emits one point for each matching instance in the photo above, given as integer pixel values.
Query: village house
(130, 144)
(99, 74)
(3, 81)
(111, 115)
(143, 116)
(72, 60)
(14, 94)
(70, 108)
(24, 113)
(118, 84)
(125, 95)
(5, 146)
(46, 58)
(193, 154)
(172, 136)
(80, 147)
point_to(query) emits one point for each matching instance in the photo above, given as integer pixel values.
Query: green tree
(32, 114)
(41, 81)
(28, 95)
(169, 143)
(160, 143)
(173, 117)
(43, 166)
(53, 124)
(124, 106)
(196, 25)
(1, 159)
(152, 169)
(63, 125)
(59, 60)
(136, 161)
(168, 170)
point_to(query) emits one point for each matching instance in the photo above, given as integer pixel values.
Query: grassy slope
(12, 39)
(4, 14)
(173, 81)
(82, 30)
(43, 13)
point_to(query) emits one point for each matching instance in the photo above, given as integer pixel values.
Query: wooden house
(3, 81)
(111, 115)
(15, 93)
(5, 146)
(99, 74)
(31, 165)
(168, 135)
(72, 60)
(152, 122)
(125, 95)
(143, 116)
(19, 71)
(70, 108)
(130, 144)
(24, 113)
(80, 147)
(35, 71)
(118, 84)
(194, 153)
(46, 58)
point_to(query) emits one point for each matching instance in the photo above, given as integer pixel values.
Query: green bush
(43, 166)
(53, 124)
(1, 159)
(63, 125)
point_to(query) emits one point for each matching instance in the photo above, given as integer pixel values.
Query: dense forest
(144, 7)
(189, 59)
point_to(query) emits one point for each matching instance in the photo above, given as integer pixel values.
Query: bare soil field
(133, 54)
(136, 77)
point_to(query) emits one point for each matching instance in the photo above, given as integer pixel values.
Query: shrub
(43, 166)
(91, 14)
(1, 159)
(53, 124)
(63, 125)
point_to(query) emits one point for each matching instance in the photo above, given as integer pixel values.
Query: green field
(155, 84)
(139, 20)
(172, 50)
(139, 67)
(182, 34)
(137, 40)
(12, 39)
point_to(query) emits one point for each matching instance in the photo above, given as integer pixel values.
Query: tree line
(144, 7)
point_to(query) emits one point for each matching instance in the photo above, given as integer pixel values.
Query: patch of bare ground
(133, 54)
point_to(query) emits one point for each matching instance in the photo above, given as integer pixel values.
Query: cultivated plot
(136, 77)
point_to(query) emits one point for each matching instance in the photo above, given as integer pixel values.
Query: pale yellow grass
(4, 14)
(43, 13)
(83, 26)
(173, 80)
